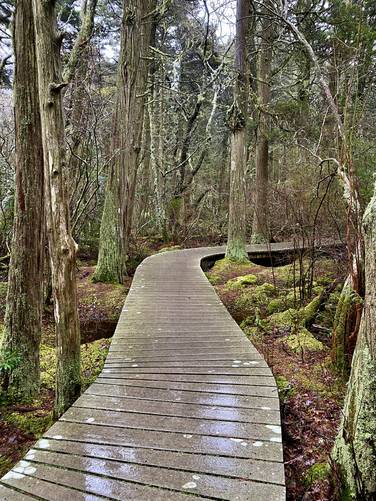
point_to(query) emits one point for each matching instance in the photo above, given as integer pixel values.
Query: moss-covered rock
(290, 318)
(303, 340)
(284, 301)
(315, 473)
(254, 298)
(240, 282)
(32, 423)
(225, 266)
(169, 248)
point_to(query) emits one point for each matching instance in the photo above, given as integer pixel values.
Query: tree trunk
(237, 118)
(355, 446)
(155, 106)
(127, 133)
(61, 244)
(22, 330)
(260, 230)
(76, 72)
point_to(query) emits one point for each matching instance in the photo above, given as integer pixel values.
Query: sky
(223, 13)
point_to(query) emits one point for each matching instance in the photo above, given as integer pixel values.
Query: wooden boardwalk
(185, 407)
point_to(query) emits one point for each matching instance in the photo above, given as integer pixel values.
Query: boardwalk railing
(184, 408)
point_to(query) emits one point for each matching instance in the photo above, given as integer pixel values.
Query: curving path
(185, 407)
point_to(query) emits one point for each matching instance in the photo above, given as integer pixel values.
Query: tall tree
(260, 229)
(22, 330)
(126, 143)
(356, 442)
(62, 248)
(237, 118)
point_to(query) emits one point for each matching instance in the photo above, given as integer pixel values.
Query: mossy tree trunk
(62, 247)
(355, 447)
(22, 329)
(260, 228)
(128, 118)
(237, 117)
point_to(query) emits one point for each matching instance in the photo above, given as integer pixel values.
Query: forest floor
(294, 337)
(99, 309)
(267, 306)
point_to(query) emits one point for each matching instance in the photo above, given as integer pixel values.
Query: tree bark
(237, 118)
(61, 244)
(260, 229)
(22, 330)
(355, 446)
(127, 133)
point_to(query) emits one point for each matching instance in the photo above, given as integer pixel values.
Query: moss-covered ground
(291, 326)
(99, 308)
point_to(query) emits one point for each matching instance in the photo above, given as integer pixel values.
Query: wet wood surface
(185, 407)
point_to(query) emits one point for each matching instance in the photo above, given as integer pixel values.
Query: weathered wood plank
(184, 405)
(180, 442)
(232, 389)
(180, 481)
(262, 471)
(188, 397)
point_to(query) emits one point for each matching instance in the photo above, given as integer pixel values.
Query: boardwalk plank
(203, 484)
(169, 395)
(262, 471)
(232, 389)
(185, 407)
(183, 442)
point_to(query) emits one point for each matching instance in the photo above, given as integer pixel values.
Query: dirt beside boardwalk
(266, 303)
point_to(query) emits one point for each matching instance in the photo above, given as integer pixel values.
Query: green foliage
(9, 360)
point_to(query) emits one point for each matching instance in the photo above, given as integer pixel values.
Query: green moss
(311, 309)
(316, 472)
(285, 319)
(176, 203)
(254, 298)
(354, 450)
(235, 251)
(340, 329)
(48, 366)
(285, 274)
(242, 281)
(3, 289)
(6, 464)
(170, 248)
(285, 388)
(93, 356)
(318, 289)
(31, 423)
(224, 266)
(303, 340)
(109, 302)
